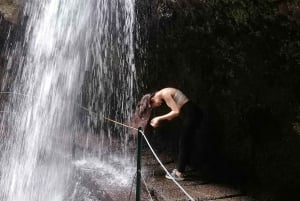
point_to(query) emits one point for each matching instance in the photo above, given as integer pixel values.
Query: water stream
(74, 66)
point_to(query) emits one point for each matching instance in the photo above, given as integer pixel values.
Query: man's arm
(169, 116)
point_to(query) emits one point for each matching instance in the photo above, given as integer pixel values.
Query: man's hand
(154, 122)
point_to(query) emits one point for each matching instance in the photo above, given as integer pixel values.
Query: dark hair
(143, 111)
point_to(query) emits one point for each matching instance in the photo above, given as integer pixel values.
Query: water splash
(74, 53)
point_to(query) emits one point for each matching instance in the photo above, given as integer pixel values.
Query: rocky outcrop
(240, 61)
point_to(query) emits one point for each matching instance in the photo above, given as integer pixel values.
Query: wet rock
(84, 188)
(105, 180)
(9, 12)
(197, 186)
(9, 9)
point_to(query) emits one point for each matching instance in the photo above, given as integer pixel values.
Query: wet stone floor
(155, 187)
(162, 189)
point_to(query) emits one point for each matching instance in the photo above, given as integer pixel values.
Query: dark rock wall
(240, 61)
(11, 31)
(4, 33)
(5, 30)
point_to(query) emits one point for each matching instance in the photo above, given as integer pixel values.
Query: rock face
(240, 61)
(5, 26)
(12, 28)
(9, 10)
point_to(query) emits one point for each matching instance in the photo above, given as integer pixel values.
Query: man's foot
(176, 175)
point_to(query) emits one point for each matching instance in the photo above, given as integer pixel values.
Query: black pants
(190, 117)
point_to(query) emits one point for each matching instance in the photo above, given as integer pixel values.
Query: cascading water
(76, 55)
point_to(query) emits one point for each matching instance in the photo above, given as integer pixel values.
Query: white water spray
(74, 53)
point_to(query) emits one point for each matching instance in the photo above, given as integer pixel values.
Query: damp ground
(155, 186)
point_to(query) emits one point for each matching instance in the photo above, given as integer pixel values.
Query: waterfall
(74, 67)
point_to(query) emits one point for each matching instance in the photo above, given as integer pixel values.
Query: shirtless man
(181, 106)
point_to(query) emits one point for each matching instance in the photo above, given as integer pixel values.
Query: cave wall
(240, 61)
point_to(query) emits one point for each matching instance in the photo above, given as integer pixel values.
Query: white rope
(147, 188)
(16, 93)
(87, 109)
(172, 178)
(120, 123)
(164, 168)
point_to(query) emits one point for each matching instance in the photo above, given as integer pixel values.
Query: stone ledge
(165, 190)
